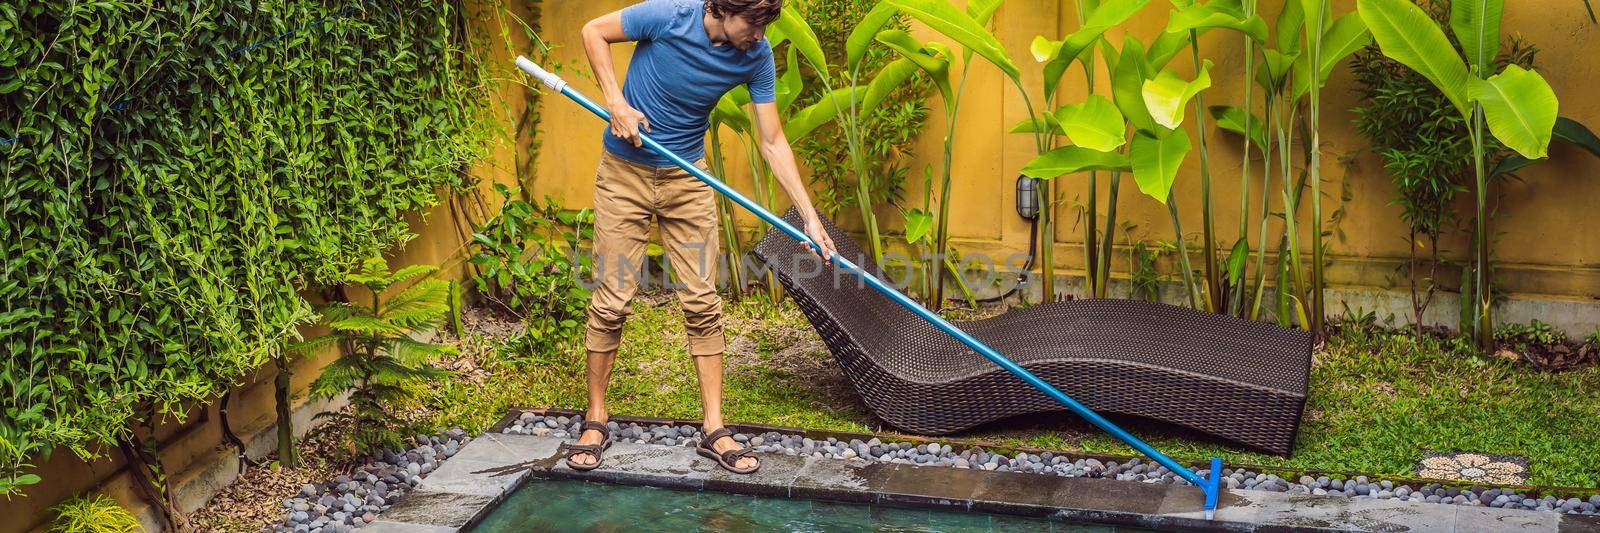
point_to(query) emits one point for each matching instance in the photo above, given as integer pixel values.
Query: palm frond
(411, 352)
(411, 272)
(312, 346)
(367, 325)
(373, 271)
(391, 370)
(337, 377)
(418, 305)
(334, 311)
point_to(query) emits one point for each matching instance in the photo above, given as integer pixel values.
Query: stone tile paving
(452, 498)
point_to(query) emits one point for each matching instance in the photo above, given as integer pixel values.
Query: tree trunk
(287, 456)
(144, 466)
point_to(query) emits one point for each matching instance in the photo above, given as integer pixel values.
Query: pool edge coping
(823, 434)
(463, 491)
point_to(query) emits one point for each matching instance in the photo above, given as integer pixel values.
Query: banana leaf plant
(1151, 101)
(856, 100)
(965, 28)
(968, 29)
(1058, 56)
(1139, 130)
(1518, 106)
(1193, 18)
(732, 112)
(1286, 78)
(934, 60)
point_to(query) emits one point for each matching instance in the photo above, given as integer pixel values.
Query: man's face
(742, 34)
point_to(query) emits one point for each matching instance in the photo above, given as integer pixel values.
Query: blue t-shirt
(676, 77)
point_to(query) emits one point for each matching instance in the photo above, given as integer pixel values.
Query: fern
(382, 360)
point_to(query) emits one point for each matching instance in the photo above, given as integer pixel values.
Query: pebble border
(1136, 469)
(348, 502)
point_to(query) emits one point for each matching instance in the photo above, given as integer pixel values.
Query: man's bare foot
(588, 436)
(727, 443)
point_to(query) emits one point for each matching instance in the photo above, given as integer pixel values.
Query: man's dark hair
(757, 12)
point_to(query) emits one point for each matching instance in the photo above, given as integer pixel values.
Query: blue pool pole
(1211, 486)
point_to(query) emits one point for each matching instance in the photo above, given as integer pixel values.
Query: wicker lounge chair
(1238, 380)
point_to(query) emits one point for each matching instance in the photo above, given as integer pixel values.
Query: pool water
(559, 505)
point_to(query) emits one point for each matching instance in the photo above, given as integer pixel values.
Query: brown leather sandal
(727, 459)
(597, 450)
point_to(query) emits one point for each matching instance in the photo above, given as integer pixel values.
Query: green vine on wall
(154, 249)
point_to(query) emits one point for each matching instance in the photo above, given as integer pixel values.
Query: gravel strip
(1136, 469)
(351, 501)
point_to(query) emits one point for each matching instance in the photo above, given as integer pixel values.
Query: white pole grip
(549, 79)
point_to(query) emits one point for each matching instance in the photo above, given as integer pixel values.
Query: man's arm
(598, 34)
(780, 158)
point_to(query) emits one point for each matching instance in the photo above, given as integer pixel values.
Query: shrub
(529, 263)
(1520, 337)
(94, 513)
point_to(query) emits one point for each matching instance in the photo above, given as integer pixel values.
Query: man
(690, 53)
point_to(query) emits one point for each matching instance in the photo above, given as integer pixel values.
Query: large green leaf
(1206, 16)
(946, 19)
(932, 58)
(1059, 55)
(1105, 17)
(1032, 125)
(855, 46)
(1290, 22)
(1520, 108)
(982, 10)
(1347, 35)
(1407, 34)
(792, 27)
(918, 222)
(1094, 124)
(1072, 160)
(1576, 133)
(1237, 259)
(1314, 11)
(790, 85)
(1165, 47)
(815, 115)
(1127, 85)
(1167, 95)
(1568, 130)
(890, 78)
(1476, 25)
(1155, 161)
(1233, 119)
(1275, 68)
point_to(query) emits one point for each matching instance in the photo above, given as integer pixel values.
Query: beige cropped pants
(626, 196)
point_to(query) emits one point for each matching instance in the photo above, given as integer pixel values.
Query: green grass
(1379, 399)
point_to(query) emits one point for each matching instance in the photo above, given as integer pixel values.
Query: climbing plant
(174, 173)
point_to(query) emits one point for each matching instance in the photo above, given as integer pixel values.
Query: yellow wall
(1541, 251)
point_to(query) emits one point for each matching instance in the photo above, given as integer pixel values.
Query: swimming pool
(568, 505)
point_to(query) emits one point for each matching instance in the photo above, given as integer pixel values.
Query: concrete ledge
(458, 495)
(194, 487)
